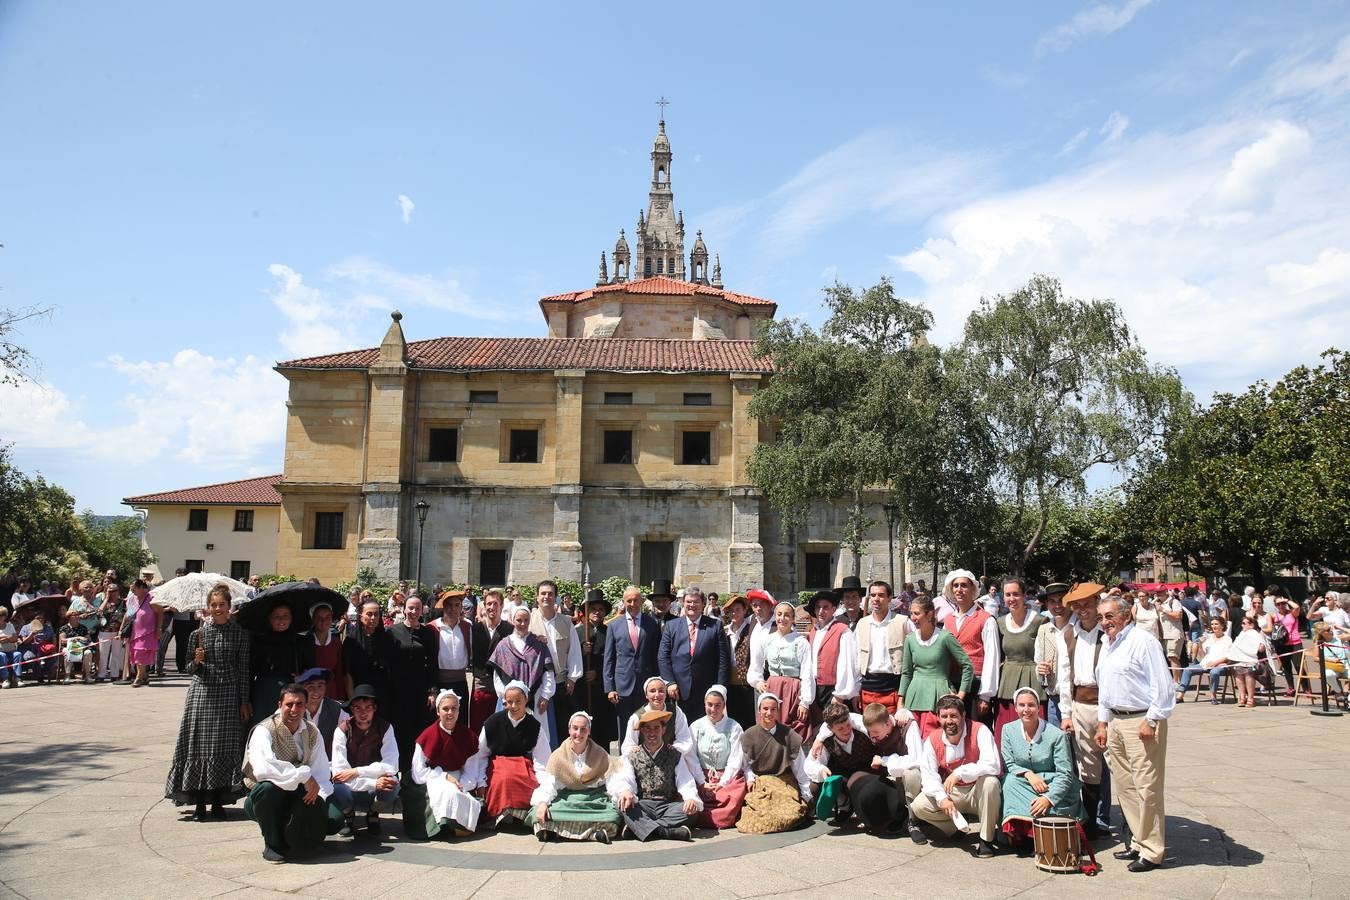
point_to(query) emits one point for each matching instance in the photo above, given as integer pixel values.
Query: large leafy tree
(1061, 385)
(38, 527)
(114, 544)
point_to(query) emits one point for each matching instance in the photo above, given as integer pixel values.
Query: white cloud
(1101, 19)
(1332, 267)
(380, 286)
(1330, 77)
(1072, 143)
(406, 207)
(1238, 58)
(1250, 180)
(315, 324)
(1115, 126)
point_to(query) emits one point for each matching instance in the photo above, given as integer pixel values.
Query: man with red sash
(959, 775)
(462, 650)
(881, 649)
(977, 633)
(512, 753)
(835, 650)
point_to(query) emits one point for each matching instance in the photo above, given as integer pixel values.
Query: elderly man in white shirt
(1135, 699)
(962, 781)
(289, 782)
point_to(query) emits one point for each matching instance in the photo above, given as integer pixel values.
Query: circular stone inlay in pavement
(663, 853)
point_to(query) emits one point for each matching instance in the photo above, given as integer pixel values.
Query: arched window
(660, 266)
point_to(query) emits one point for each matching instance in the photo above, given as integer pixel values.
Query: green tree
(115, 545)
(38, 526)
(1061, 385)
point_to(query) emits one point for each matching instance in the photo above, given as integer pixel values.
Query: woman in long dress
(438, 761)
(1017, 632)
(571, 801)
(210, 745)
(790, 667)
(930, 655)
(1041, 779)
(145, 628)
(717, 741)
(366, 653)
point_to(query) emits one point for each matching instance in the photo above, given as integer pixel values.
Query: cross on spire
(663, 103)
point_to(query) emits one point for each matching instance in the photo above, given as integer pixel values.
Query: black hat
(661, 588)
(362, 691)
(595, 595)
(851, 583)
(1056, 587)
(817, 597)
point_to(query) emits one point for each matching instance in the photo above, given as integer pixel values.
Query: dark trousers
(182, 634)
(289, 824)
(647, 819)
(879, 802)
(741, 704)
(972, 698)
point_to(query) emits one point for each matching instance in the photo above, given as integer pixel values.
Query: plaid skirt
(210, 746)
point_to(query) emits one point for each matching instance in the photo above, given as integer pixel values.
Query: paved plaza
(1256, 804)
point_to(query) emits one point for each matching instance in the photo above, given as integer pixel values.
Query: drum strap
(1087, 868)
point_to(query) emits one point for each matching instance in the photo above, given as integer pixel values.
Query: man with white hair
(977, 633)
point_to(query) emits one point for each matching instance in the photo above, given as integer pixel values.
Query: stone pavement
(1255, 801)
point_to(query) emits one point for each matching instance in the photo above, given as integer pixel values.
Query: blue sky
(199, 195)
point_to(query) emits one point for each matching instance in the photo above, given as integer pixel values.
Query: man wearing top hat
(631, 646)
(695, 654)
(850, 594)
(662, 596)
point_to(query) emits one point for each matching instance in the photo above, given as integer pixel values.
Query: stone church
(616, 445)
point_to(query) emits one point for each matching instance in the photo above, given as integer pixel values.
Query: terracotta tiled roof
(467, 354)
(248, 492)
(659, 284)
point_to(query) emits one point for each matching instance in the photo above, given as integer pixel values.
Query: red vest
(970, 751)
(447, 751)
(968, 635)
(827, 660)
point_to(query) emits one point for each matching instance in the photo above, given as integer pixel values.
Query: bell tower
(660, 237)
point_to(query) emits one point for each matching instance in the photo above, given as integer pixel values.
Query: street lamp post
(422, 507)
(892, 516)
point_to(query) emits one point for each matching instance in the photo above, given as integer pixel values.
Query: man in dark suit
(695, 655)
(631, 645)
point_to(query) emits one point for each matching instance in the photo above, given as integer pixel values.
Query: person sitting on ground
(779, 791)
(571, 801)
(866, 765)
(1041, 779)
(365, 761)
(959, 771)
(512, 754)
(325, 713)
(287, 775)
(652, 788)
(678, 734)
(440, 761)
(719, 775)
(1214, 662)
(73, 639)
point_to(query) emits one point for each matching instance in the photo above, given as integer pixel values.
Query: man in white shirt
(881, 649)
(365, 762)
(977, 633)
(1135, 698)
(958, 772)
(287, 774)
(1078, 649)
(834, 650)
(761, 608)
(563, 644)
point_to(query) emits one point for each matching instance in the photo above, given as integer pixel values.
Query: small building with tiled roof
(230, 527)
(615, 445)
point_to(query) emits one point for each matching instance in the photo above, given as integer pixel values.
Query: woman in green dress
(931, 654)
(1017, 634)
(1041, 779)
(571, 801)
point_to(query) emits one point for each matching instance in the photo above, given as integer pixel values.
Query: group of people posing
(905, 720)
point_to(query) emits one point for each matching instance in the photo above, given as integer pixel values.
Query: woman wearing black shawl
(274, 661)
(366, 654)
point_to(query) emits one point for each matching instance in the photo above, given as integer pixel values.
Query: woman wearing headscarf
(775, 770)
(788, 671)
(719, 775)
(1041, 779)
(524, 656)
(274, 660)
(931, 653)
(205, 766)
(1017, 634)
(322, 649)
(366, 651)
(571, 801)
(439, 760)
(512, 755)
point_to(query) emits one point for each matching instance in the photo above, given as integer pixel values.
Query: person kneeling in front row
(365, 762)
(286, 772)
(959, 775)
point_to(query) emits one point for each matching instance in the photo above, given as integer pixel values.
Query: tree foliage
(114, 545)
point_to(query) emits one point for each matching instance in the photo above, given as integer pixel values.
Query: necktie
(632, 631)
(693, 636)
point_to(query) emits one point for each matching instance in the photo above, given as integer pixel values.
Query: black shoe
(346, 829)
(680, 833)
(982, 849)
(1126, 854)
(917, 836)
(373, 825)
(272, 856)
(218, 812)
(601, 836)
(199, 814)
(543, 836)
(1142, 865)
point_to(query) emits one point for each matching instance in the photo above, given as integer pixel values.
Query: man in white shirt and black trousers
(1136, 695)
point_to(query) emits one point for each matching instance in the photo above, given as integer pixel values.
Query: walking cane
(1326, 710)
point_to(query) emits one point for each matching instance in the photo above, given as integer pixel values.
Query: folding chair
(1308, 671)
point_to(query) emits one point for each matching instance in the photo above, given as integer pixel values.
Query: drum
(1057, 845)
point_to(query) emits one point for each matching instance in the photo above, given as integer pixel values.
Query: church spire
(660, 239)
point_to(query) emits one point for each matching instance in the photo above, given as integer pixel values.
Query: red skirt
(482, 705)
(511, 781)
(890, 699)
(722, 807)
(789, 691)
(928, 723)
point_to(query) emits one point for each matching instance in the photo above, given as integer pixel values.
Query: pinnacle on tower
(717, 271)
(604, 271)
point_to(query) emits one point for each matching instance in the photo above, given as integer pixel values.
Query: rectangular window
(695, 448)
(328, 531)
(492, 567)
(243, 520)
(196, 520)
(656, 559)
(816, 576)
(619, 447)
(443, 445)
(524, 445)
(239, 569)
(660, 266)
(697, 399)
(194, 565)
(647, 268)
(482, 396)
(618, 398)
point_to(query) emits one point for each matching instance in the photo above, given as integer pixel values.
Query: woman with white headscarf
(571, 800)
(1041, 779)
(717, 743)
(440, 758)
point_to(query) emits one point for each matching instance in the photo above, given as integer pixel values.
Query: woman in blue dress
(1040, 779)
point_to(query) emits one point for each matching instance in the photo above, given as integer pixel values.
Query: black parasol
(299, 596)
